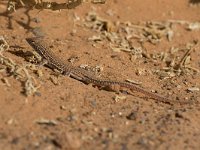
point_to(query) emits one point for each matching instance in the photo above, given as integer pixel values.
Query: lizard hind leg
(43, 62)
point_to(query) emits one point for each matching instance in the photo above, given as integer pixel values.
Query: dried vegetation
(19, 72)
(121, 37)
(40, 4)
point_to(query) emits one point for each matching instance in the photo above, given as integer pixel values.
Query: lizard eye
(29, 40)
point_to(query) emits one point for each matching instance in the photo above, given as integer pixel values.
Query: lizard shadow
(26, 55)
(194, 1)
(26, 25)
(10, 18)
(6, 14)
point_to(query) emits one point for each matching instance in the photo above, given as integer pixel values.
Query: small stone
(193, 89)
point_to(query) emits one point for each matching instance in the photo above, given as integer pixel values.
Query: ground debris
(19, 72)
(194, 26)
(152, 31)
(193, 89)
(6, 82)
(30, 83)
(46, 122)
(121, 35)
(118, 98)
(40, 4)
(3, 44)
(66, 140)
(176, 65)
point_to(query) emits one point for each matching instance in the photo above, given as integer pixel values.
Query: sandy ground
(67, 114)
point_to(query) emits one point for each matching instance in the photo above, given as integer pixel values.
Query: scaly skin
(82, 75)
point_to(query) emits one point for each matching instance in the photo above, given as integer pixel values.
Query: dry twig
(40, 4)
(19, 72)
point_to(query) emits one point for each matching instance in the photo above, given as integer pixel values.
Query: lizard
(53, 62)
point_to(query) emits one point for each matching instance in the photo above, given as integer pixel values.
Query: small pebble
(193, 89)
